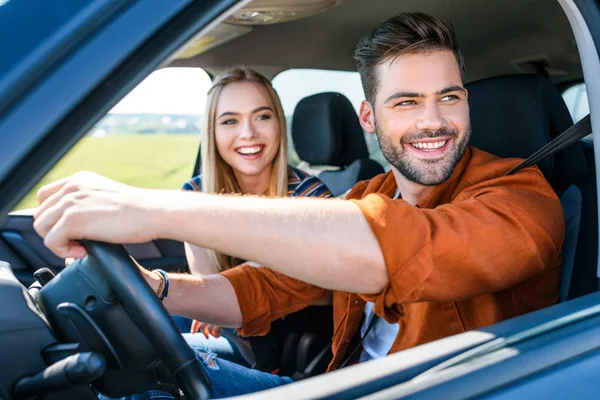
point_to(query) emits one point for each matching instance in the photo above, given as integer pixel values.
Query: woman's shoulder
(301, 184)
(194, 184)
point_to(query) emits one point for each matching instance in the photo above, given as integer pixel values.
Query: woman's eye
(229, 122)
(263, 117)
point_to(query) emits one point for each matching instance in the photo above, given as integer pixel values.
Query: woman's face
(246, 129)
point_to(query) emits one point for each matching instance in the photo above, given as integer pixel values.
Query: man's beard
(421, 170)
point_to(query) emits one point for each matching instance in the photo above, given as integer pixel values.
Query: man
(441, 244)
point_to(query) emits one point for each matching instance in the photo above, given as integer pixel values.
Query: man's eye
(406, 103)
(450, 97)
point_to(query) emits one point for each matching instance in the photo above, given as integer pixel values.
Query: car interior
(326, 131)
(520, 56)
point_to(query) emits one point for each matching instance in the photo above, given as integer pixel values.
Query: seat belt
(575, 133)
(360, 342)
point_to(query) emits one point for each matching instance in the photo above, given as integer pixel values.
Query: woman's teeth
(429, 146)
(249, 150)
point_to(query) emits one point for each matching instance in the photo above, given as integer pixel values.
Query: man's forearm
(198, 261)
(327, 243)
(211, 299)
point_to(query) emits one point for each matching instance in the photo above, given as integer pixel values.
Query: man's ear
(367, 117)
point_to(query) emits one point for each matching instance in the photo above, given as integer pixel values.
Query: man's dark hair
(403, 34)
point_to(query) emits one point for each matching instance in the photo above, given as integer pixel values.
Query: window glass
(295, 84)
(577, 102)
(150, 139)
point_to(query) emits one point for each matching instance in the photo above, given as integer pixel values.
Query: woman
(244, 150)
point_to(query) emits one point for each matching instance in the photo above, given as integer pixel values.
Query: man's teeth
(249, 150)
(430, 145)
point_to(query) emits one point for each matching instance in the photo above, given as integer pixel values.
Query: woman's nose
(247, 130)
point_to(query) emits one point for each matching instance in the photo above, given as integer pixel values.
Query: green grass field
(152, 161)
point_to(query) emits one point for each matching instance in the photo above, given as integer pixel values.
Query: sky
(183, 90)
(168, 91)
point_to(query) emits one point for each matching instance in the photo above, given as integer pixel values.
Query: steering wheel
(146, 309)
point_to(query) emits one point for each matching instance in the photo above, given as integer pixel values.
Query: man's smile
(430, 148)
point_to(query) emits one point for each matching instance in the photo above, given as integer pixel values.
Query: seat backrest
(514, 116)
(326, 132)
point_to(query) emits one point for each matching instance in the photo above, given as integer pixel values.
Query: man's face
(420, 115)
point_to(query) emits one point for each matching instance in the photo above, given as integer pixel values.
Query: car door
(144, 141)
(19, 244)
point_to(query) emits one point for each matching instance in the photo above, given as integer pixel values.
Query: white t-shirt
(381, 337)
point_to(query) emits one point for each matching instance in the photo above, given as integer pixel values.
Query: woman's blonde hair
(217, 175)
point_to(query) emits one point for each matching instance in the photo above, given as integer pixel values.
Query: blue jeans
(230, 346)
(226, 378)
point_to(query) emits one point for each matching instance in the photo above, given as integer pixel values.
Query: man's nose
(430, 119)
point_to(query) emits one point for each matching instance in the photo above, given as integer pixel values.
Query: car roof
(499, 37)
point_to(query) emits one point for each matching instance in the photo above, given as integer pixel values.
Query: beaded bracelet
(163, 291)
(161, 284)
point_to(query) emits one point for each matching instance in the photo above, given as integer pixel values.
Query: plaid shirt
(300, 184)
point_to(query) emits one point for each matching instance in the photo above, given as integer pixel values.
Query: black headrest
(515, 115)
(326, 131)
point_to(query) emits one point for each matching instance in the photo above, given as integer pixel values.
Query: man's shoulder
(483, 165)
(480, 157)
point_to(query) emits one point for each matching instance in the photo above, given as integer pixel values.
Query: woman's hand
(206, 329)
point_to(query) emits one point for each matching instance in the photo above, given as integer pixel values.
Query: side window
(295, 84)
(150, 139)
(577, 102)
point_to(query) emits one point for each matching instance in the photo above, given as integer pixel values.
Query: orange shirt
(480, 248)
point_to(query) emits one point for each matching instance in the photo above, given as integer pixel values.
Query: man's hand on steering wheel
(102, 210)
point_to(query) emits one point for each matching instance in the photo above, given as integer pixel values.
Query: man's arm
(244, 297)
(198, 261)
(327, 243)
(210, 299)
(324, 242)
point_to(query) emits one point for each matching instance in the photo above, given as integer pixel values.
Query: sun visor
(266, 12)
(221, 34)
